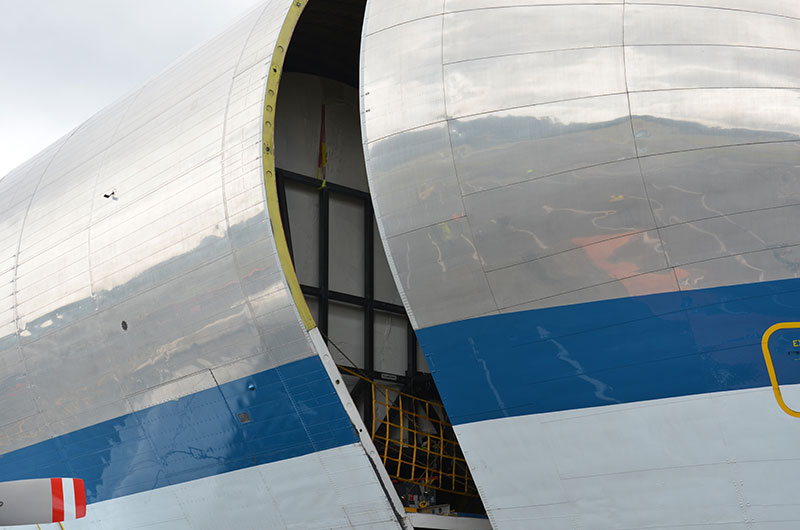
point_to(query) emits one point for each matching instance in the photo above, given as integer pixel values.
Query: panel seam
(465, 217)
(636, 148)
(16, 264)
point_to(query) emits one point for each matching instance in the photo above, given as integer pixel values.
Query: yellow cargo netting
(416, 440)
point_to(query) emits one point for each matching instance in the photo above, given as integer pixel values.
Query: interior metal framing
(324, 294)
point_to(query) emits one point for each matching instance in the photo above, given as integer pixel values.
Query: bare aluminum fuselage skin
(591, 210)
(149, 340)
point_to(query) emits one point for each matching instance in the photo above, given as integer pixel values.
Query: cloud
(63, 61)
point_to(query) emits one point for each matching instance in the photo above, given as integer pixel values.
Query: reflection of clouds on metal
(627, 175)
(521, 133)
(149, 339)
(563, 355)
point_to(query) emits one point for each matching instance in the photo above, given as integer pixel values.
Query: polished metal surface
(527, 154)
(180, 250)
(140, 275)
(535, 154)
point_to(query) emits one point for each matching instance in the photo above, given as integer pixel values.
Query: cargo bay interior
(342, 269)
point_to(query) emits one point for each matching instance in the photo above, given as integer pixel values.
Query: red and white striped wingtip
(41, 500)
(69, 499)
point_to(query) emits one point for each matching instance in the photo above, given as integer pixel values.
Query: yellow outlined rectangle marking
(771, 369)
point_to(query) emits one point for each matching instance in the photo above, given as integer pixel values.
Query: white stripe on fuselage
(338, 489)
(698, 460)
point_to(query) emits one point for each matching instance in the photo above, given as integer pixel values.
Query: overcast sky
(63, 60)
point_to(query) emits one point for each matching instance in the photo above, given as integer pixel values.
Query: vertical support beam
(369, 309)
(369, 409)
(324, 255)
(281, 185)
(369, 287)
(411, 350)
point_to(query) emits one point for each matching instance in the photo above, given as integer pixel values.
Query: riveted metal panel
(433, 193)
(479, 86)
(661, 67)
(530, 105)
(399, 13)
(484, 33)
(727, 235)
(601, 151)
(591, 205)
(786, 8)
(678, 25)
(148, 335)
(439, 264)
(707, 183)
(407, 63)
(508, 147)
(682, 120)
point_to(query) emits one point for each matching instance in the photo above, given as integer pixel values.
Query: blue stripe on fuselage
(293, 411)
(613, 351)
